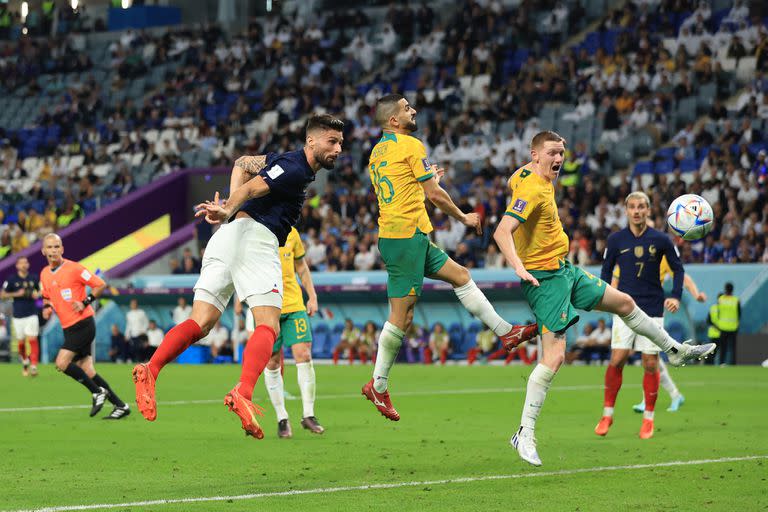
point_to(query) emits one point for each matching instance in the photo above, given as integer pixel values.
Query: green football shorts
(408, 261)
(560, 294)
(294, 328)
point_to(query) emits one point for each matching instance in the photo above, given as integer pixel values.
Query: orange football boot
(247, 412)
(145, 391)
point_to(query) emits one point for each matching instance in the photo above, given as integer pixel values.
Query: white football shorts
(29, 326)
(242, 257)
(622, 337)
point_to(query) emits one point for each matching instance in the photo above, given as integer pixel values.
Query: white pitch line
(395, 485)
(437, 392)
(345, 396)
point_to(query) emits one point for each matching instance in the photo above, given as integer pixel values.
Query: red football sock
(510, 357)
(471, 355)
(443, 355)
(34, 351)
(363, 357)
(612, 385)
(176, 341)
(336, 354)
(651, 389)
(427, 356)
(22, 349)
(522, 353)
(255, 358)
(351, 356)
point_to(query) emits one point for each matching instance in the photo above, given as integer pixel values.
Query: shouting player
(22, 287)
(266, 196)
(637, 252)
(534, 244)
(62, 284)
(295, 332)
(402, 177)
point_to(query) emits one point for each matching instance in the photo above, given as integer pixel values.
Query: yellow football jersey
(665, 270)
(540, 240)
(398, 163)
(293, 250)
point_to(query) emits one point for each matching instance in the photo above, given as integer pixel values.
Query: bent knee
(626, 304)
(61, 365)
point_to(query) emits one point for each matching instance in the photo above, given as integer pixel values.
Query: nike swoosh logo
(625, 250)
(301, 337)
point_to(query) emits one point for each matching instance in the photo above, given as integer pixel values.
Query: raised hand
(213, 211)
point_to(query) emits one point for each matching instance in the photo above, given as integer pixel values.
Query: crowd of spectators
(207, 94)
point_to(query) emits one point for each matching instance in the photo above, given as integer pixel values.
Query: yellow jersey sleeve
(523, 199)
(298, 247)
(417, 160)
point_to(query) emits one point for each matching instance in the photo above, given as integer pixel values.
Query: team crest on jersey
(519, 205)
(639, 251)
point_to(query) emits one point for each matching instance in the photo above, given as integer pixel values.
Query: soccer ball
(690, 216)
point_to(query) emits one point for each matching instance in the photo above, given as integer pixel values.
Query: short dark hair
(728, 288)
(386, 106)
(545, 136)
(324, 122)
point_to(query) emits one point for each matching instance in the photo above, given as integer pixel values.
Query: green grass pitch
(456, 424)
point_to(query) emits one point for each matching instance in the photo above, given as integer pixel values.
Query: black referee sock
(80, 376)
(111, 396)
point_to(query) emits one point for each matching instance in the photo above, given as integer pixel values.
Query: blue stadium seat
(664, 167)
(643, 167)
(689, 165)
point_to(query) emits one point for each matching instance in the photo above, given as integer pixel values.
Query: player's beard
(411, 126)
(326, 162)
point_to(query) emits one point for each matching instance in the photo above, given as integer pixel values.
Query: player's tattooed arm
(251, 164)
(245, 168)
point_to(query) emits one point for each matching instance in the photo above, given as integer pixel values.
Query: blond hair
(637, 194)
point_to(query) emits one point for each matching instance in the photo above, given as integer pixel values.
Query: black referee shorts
(78, 338)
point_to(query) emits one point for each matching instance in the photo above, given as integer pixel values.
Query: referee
(63, 285)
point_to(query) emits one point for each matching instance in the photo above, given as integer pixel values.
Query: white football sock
(476, 303)
(644, 325)
(306, 377)
(666, 380)
(390, 340)
(274, 382)
(647, 415)
(608, 411)
(538, 385)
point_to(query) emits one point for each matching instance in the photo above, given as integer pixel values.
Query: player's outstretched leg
(474, 301)
(255, 358)
(176, 341)
(22, 349)
(679, 354)
(34, 355)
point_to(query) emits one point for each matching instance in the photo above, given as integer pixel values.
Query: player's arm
(506, 242)
(216, 214)
(47, 304)
(305, 276)
(440, 198)
(97, 285)
(245, 168)
(5, 294)
(690, 285)
(678, 276)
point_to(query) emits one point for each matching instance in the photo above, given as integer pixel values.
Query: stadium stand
(648, 87)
